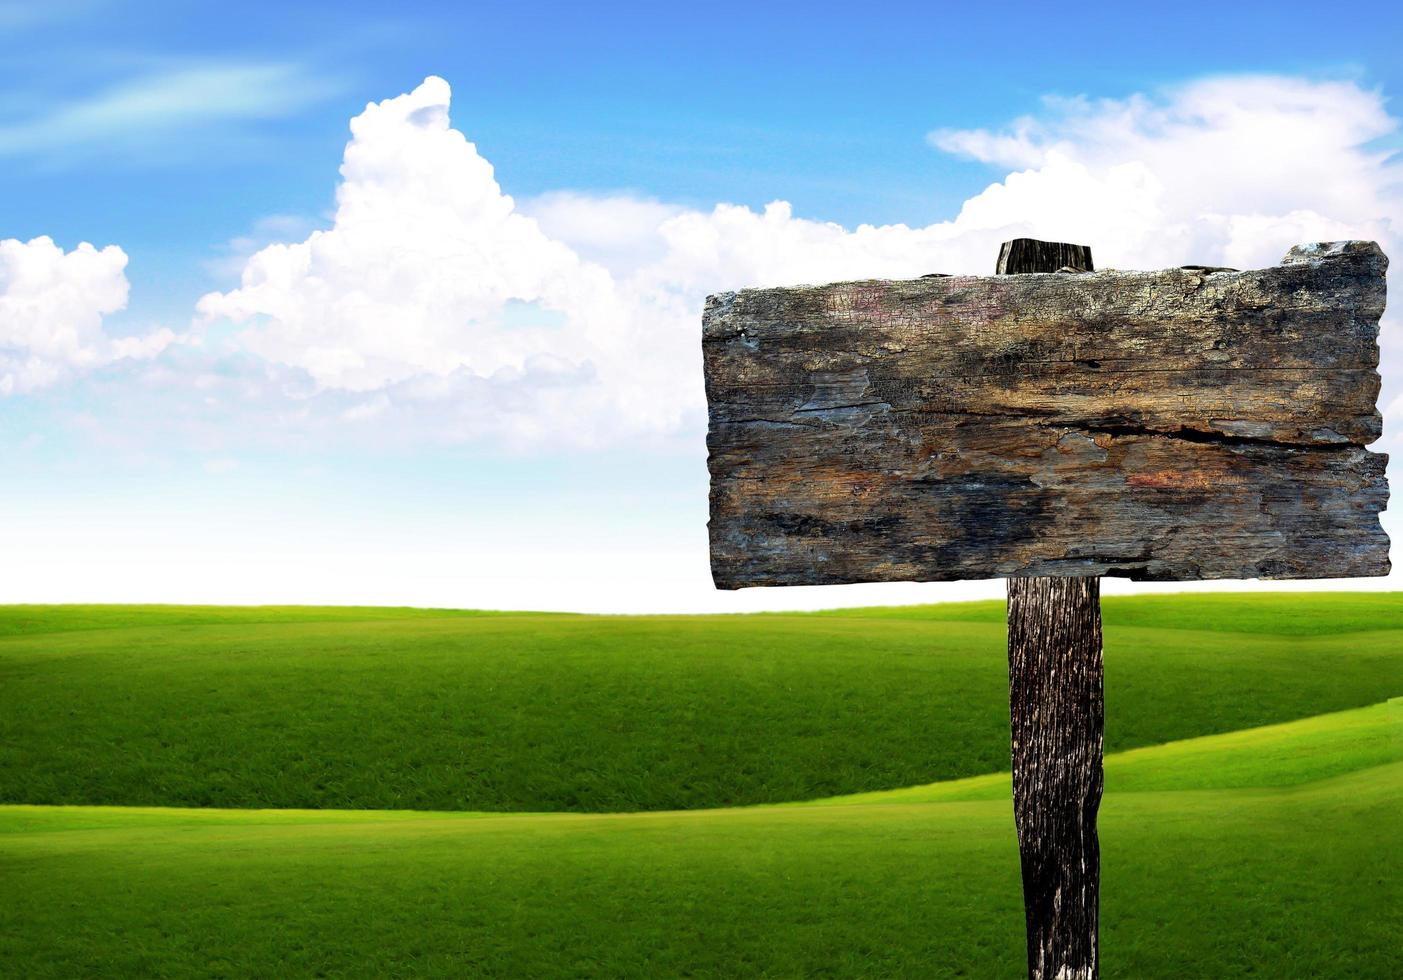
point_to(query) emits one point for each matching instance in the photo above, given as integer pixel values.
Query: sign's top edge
(1310, 253)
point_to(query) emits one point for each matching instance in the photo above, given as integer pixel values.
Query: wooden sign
(1192, 423)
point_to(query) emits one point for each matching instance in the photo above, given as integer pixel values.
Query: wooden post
(1055, 695)
(1177, 425)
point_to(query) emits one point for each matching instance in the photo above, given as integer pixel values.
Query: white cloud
(431, 281)
(575, 318)
(1226, 170)
(424, 254)
(617, 230)
(144, 115)
(52, 304)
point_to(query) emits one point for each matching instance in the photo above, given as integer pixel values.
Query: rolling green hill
(1260, 853)
(443, 710)
(1249, 828)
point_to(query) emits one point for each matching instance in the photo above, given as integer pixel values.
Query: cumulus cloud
(52, 305)
(431, 282)
(1227, 170)
(415, 274)
(575, 317)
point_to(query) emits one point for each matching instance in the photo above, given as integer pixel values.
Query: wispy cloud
(16, 16)
(132, 114)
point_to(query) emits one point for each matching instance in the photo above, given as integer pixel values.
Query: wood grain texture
(1057, 715)
(1056, 704)
(1174, 425)
(1035, 255)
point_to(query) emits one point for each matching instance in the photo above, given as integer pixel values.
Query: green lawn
(395, 708)
(1285, 613)
(1271, 874)
(1250, 828)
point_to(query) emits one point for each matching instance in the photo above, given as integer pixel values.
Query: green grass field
(876, 739)
(434, 711)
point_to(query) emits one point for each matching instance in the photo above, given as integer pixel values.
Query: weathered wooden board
(1174, 425)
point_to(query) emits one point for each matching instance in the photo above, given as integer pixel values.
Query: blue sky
(226, 449)
(822, 105)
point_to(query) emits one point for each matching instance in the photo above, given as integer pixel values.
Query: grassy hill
(876, 741)
(444, 710)
(1261, 853)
